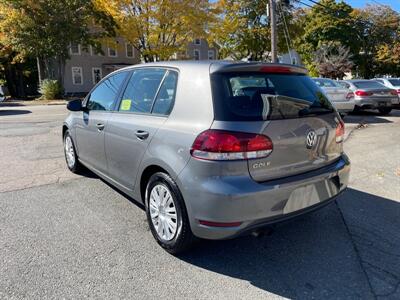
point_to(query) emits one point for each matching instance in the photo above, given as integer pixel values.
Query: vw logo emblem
(311, 139)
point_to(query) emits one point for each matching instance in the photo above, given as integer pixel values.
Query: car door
(143, 108)
(98, 106)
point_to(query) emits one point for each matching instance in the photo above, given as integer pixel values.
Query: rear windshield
(394, 82)
(326, 83)
(368, 85)
(259, 96)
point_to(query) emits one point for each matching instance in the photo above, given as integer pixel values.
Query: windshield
(368, 85)
(394, 82)
(259, 96)
(326, 83)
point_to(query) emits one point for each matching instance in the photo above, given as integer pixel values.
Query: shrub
(50, 89)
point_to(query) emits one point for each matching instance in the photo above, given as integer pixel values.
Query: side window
(104, 95)
(141, 90)
(165, 98)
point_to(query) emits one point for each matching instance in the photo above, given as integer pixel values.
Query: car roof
(216, 65)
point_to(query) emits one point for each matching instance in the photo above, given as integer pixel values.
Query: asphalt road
(68, 236)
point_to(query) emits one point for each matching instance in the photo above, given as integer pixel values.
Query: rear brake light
(215, 144)
(363, 93)
(350, 95)
(276, 69)
(398, 91)
(394, 92)
(340, 132)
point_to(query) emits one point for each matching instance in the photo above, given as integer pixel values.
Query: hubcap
(163, 212)
(69, 152)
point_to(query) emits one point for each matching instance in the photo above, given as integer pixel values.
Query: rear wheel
(166, 214)
(385, 110)
(70, 154)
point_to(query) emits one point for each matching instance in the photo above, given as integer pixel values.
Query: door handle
(141, 134)
(100, 126)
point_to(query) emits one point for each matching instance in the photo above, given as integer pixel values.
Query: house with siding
(85, 67)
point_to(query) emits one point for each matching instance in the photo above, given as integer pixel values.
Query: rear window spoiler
(258, 67)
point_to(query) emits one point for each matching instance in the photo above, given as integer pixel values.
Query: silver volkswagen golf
(212, 149)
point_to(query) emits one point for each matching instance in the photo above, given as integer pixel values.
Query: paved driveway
(67, 236)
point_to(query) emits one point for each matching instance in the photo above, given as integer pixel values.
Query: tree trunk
(40, 71)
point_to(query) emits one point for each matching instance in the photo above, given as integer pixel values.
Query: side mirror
(75, 105)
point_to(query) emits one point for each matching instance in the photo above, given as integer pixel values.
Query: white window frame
(212, 52)
(101, 74)
(73, 77)
(195, 41)
(194, 54)
(79, 49)
(126, 50)
(116, 52)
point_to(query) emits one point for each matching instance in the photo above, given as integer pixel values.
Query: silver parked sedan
(212, 149)
(392, 83)
(369, 94)
(341, 97)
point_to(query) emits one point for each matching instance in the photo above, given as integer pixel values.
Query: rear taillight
(398, 91)
(215, 144)
(393, 92)
(363, 93)
(350, 95)
(340, 132)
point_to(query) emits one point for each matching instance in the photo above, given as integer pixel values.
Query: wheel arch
(144, 178)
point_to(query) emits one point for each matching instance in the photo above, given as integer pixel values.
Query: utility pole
(272, 15)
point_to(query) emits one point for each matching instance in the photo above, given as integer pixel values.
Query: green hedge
(50, 89)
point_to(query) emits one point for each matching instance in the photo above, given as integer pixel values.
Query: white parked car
(341, 97)
(2, 93)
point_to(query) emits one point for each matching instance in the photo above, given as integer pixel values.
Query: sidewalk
(13, 103)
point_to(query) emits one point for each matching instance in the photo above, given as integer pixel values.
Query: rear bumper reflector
(219, 224)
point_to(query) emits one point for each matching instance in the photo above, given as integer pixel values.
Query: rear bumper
(375, 102)
(241, 199)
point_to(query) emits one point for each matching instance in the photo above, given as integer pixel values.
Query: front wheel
(166, 214)
(384, 110)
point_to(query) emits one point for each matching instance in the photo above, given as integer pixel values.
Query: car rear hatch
(283, 104)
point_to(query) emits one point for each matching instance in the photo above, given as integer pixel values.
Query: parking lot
(69, 236)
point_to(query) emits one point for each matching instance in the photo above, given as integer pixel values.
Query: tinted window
(105, 94)
(394, 82)
(141, 90)
(368, 85)
(166, 95)
(259, 96)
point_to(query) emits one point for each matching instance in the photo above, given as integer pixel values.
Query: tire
(69, 149)
(385, 110)
(174, 241)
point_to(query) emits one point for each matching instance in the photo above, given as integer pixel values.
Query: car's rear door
(144, 107)
(90, 126)
(288, 108)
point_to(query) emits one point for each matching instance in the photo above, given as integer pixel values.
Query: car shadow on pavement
(370, 117)
(340, 251)
(11, 112)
